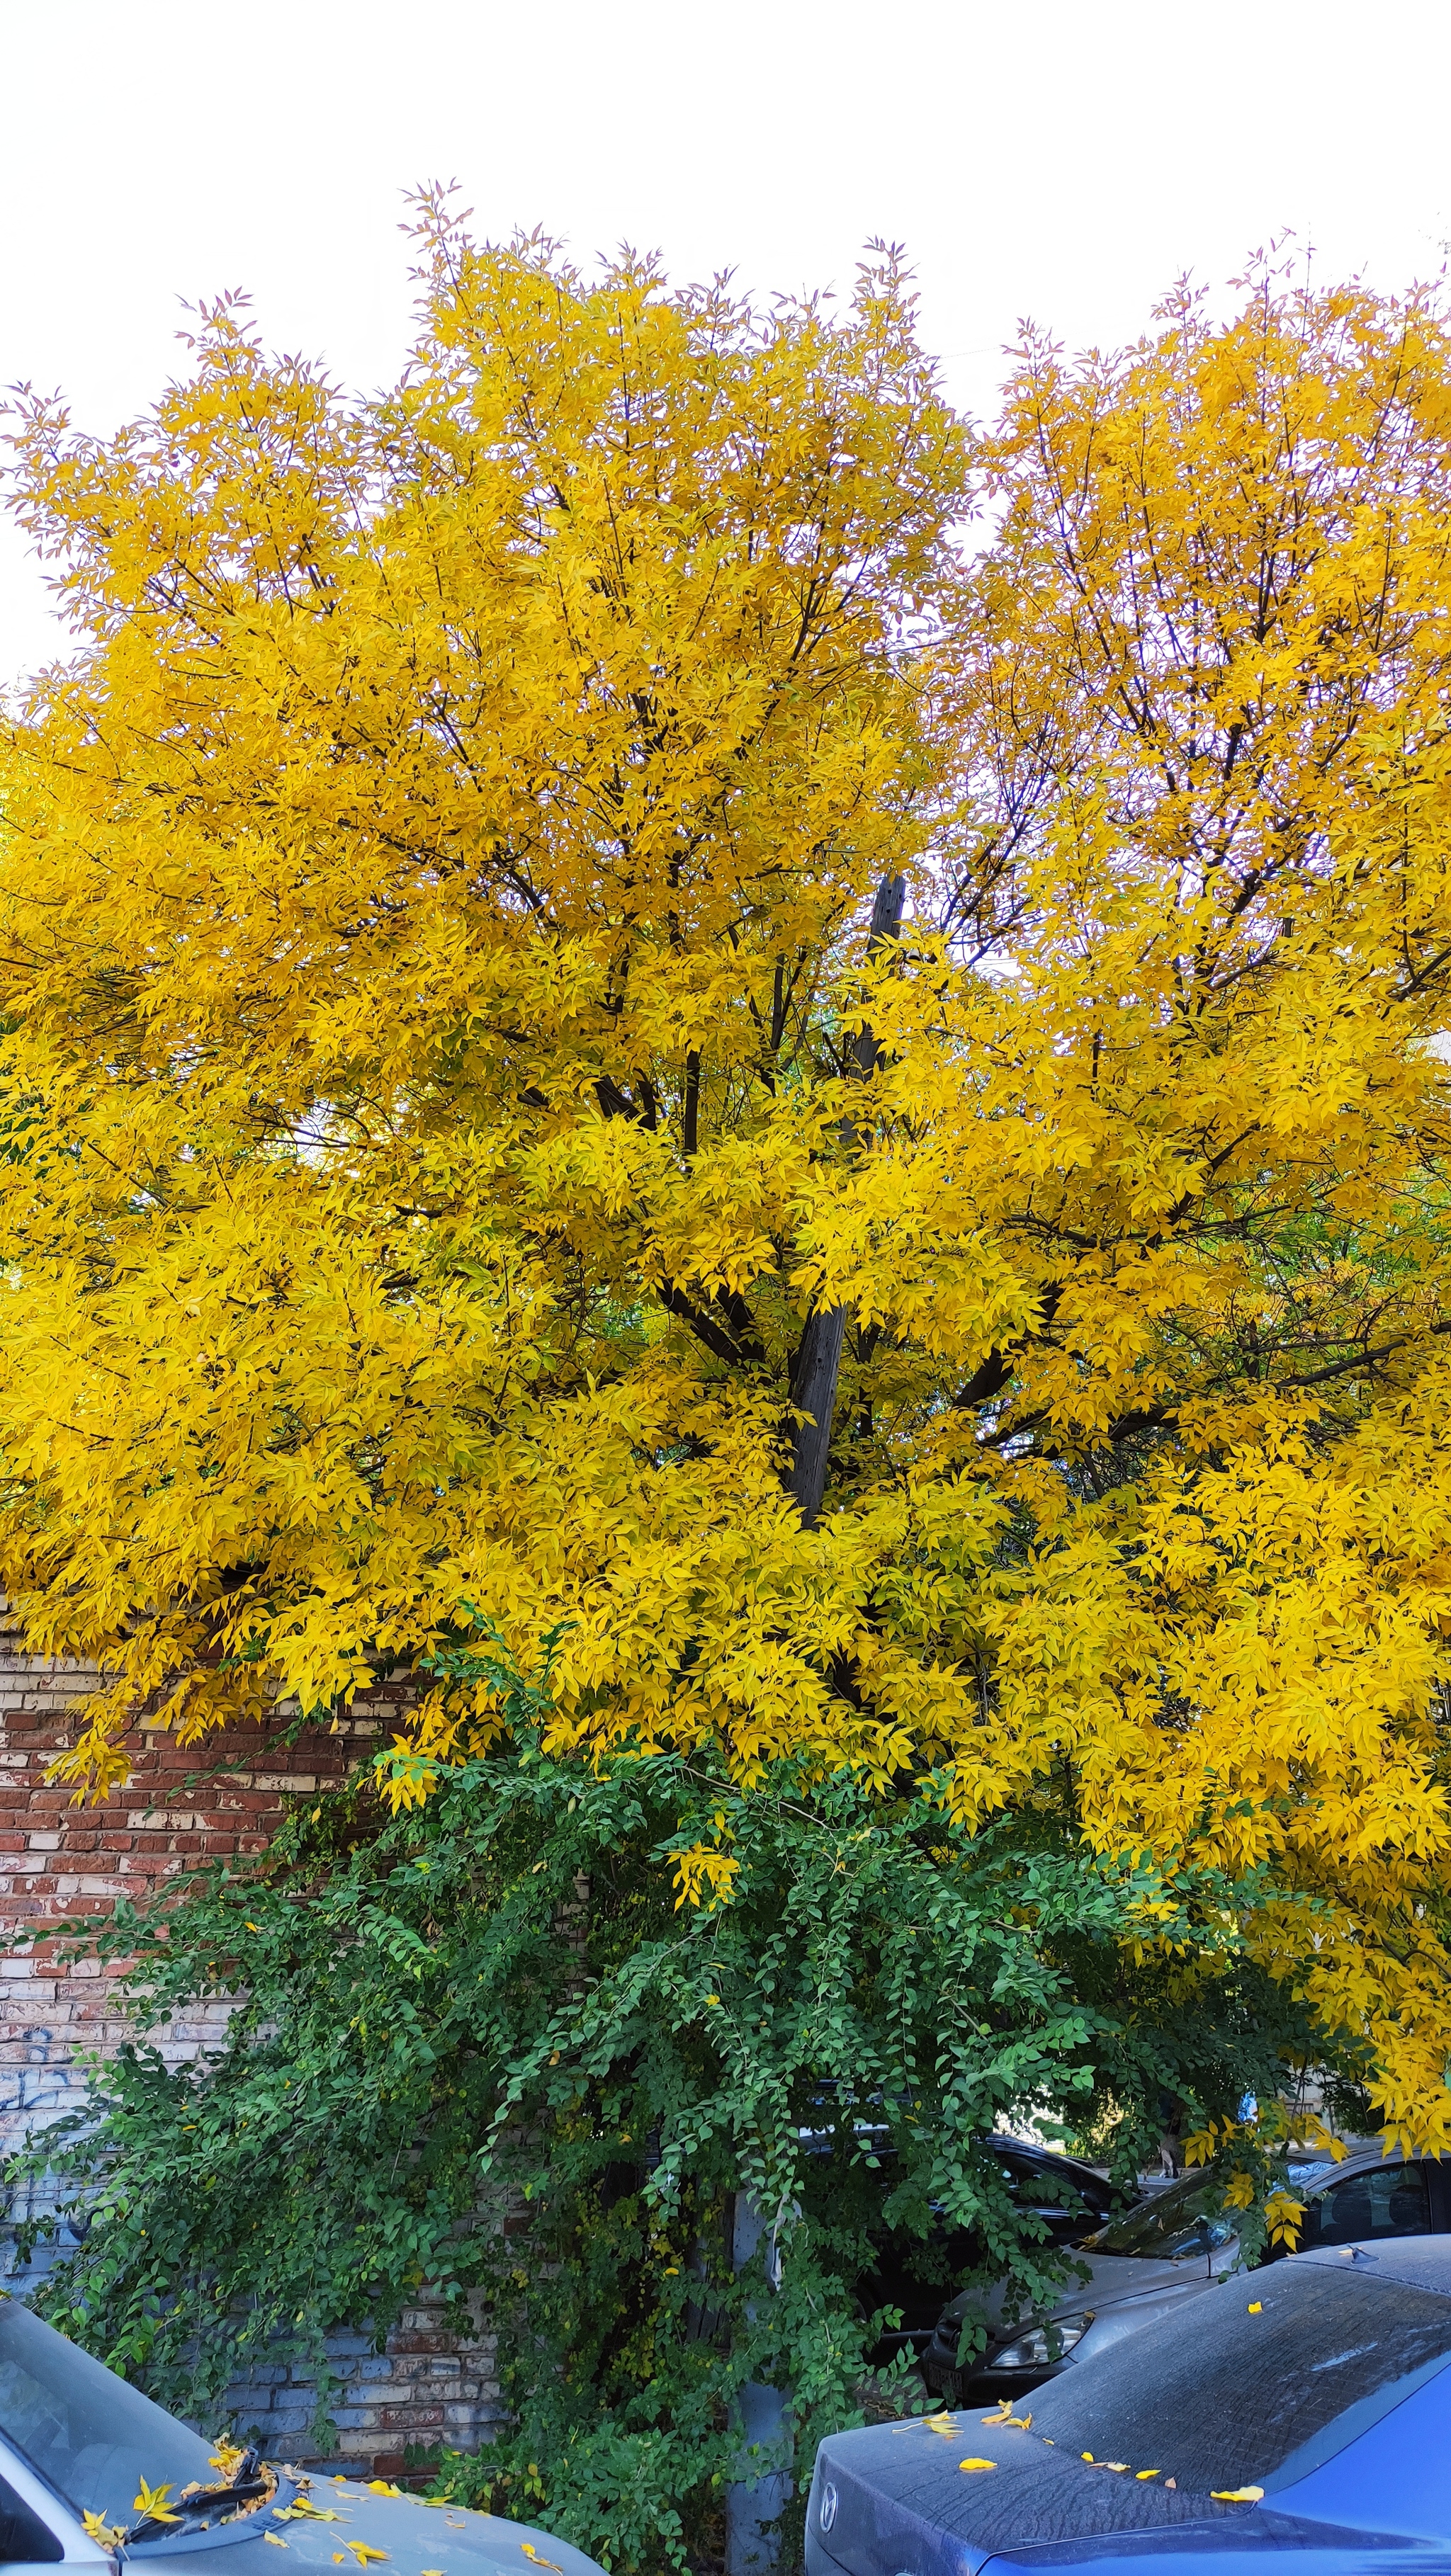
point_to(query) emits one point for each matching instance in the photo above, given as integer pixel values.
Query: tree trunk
(818, 1361)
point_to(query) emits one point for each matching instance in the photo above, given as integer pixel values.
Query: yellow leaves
(1256, 2308)
(107, 2536)
(363, 2553)
(154, 2504)
(1237, 2495)
(227, 2458)
(382, 2486)
(533, 2555)
(703, 1875)
(1283, 2213)
(423, 1145)
(971, 2466)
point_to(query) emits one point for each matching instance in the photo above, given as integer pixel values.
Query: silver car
(1140, 2266)
(93, 2474)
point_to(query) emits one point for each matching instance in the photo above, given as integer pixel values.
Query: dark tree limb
(818, 1366)
(987, 1380)
(727, 1328)
(818, 1360)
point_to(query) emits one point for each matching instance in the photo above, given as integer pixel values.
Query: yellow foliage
(703, 1875)
(445, 1069)
(1283, 2213)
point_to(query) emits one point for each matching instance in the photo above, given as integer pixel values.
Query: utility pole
(753, 2545)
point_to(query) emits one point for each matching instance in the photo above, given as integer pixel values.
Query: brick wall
(57, 1862)
(428, 2388)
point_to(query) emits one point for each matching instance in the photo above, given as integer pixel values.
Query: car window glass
(1389, 2200)
(1028, 2181)
(1221, 2393)
(23, 2536)
(1041, 2185)
(1176, 2222)
(93, 2437)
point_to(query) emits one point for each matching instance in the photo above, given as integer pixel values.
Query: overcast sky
(1062, 160)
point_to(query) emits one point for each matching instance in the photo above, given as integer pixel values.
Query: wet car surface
(93, 2474)
(1301, 2410)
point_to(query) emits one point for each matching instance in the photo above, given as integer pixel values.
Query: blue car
(1304, 2409)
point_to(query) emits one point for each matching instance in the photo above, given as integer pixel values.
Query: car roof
(1003, 2143)
(1416, 2262)
(1356, 2160)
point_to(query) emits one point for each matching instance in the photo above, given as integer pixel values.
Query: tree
(482, 2044)
(491, 1153)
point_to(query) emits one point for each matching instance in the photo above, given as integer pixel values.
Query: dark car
(1302, 2409)
(92, 2474)
(912, 2273)
(1171, 2249)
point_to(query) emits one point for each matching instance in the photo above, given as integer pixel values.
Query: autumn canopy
(658, 1002)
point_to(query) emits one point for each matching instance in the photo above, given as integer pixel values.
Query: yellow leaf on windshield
(153, 2503)
(1236, 2495)
(364, 2555)
(977, 2464)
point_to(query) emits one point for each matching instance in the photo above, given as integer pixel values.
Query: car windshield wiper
(202, 2504)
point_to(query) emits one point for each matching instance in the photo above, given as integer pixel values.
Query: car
(1069, 2199)
(1302, 2409)
(1171, 2248)
(92, 2472)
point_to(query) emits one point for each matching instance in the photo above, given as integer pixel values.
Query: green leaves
(481, 2044)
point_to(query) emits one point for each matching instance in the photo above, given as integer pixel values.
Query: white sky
(1063, 159)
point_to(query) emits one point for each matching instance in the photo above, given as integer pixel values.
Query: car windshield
(91, 2435)
(1221, 2394)
(1175, 2221)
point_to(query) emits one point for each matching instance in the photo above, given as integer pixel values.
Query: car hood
(893, 2500)
(1098, 2281)
(400, 2534)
